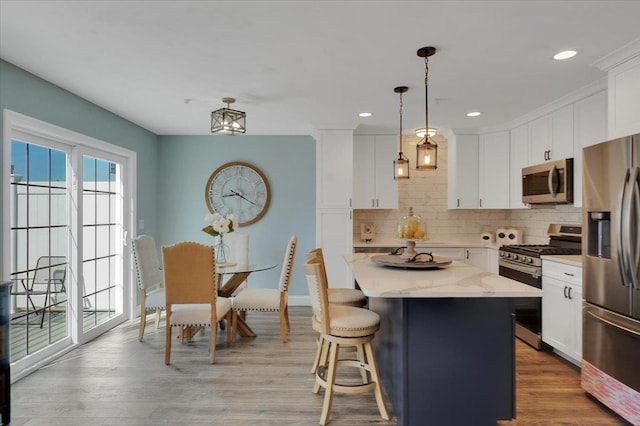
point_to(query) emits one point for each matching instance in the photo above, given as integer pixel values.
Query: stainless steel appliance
(523, 263)
(548, 183)
(611, 262)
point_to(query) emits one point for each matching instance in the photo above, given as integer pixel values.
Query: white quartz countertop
(574, 260)
(457, 280)
(391, 242)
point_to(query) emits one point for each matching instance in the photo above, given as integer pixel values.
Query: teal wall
(27, 94)
(185, 164)
(173, 171)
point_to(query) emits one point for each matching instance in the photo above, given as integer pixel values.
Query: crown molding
(619, 56)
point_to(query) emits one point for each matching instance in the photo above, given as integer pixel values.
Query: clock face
(240, 189)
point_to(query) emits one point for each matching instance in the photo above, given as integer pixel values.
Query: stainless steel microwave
(548, 183)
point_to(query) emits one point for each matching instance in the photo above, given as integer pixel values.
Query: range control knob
(516, 257)
(530, 260)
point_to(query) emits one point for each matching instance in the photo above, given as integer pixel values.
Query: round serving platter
(399, 262)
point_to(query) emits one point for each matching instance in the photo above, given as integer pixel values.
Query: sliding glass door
(70, 209)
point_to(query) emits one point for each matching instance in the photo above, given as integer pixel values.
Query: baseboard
(299, 301)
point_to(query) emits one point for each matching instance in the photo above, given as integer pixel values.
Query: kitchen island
(445, 348)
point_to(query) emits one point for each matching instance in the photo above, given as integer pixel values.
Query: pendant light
(426, 149)
(401, 164)
(228, 121)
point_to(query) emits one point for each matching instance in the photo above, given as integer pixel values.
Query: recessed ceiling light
(566, 54)
(366, 114)
(473, 114)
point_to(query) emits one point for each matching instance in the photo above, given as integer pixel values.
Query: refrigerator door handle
(613, 324)
(623, 230)
(634, 241)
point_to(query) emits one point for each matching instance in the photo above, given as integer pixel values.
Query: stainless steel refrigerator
(611, 275)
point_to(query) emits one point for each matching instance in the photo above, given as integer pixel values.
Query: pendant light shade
(401, 164)
(426, 149)
(228, 121)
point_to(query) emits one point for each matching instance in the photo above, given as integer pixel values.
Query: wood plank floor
(257, 381)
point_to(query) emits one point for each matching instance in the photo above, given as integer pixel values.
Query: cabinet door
(463, 172)
(492, 261)
(540, 140)
(557, 317)
(519, 156)
(386, 187)
(624, 99)
(334, 169)
(493, 171)
(590, 128)
(562, 133)
(476, 256)
(364, 153)
(334, 230)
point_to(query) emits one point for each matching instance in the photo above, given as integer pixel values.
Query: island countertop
(458, 280)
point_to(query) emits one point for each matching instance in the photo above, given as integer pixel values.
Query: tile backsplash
(426, 192)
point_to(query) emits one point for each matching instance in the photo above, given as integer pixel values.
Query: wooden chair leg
(167, 344)
(286, 313)
(143, 320)
(234, 326)
(229, 320)
(158, 310)
(324, 354)
(212, 343)
(331, 380)
(283, 326)
(373, 369)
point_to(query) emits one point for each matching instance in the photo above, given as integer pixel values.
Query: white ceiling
(296, 66)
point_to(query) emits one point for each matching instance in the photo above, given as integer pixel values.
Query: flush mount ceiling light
(228, 121)
(473, 114)
(426, 149)
(365, 114)
(565, 54)
(422, 131)
(401, 164)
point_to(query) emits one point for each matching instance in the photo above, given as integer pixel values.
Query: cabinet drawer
(563, 272)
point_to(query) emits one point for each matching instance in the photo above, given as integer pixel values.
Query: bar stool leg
(331, 380)
(373, 369)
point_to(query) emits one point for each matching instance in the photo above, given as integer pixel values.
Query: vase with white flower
(217, 226)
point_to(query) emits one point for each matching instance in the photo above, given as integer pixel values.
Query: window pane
(89, 208)
(38, 206)
(58, 204)
(38, 163)
(103, 209)
(88, 173)
(58, 168)
(103, 241)
(88, 243)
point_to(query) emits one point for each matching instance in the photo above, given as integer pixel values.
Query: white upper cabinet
(590, 128)
(463, 172)
(540, 140)
(519, 158)
(551, 136)
(624, 99)
(334, 169)
(373, 183)
(494, 170)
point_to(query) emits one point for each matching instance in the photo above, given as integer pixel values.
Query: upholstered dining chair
(339, 296)
(149, 278)
(267, 299)
(339, 326)
(191, 293)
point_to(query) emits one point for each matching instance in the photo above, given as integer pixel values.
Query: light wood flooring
(116, 380)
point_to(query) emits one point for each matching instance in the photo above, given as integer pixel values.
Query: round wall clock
(240, 189)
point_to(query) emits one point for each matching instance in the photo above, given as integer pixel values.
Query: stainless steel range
(523, 263)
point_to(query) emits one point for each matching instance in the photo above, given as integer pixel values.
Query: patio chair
(48, 280)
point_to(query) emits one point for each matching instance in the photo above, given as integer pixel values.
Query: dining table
(238, 273)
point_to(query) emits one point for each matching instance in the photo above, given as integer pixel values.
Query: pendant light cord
(426, 98)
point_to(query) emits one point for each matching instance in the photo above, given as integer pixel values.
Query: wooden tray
(399, 262)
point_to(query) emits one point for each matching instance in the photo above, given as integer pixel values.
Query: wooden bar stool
(338, 296)
(342, 326)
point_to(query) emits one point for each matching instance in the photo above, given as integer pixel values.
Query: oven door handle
(531, 270)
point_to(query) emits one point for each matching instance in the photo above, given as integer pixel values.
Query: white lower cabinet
(562, 308)
(476, 256)
(492, 260)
